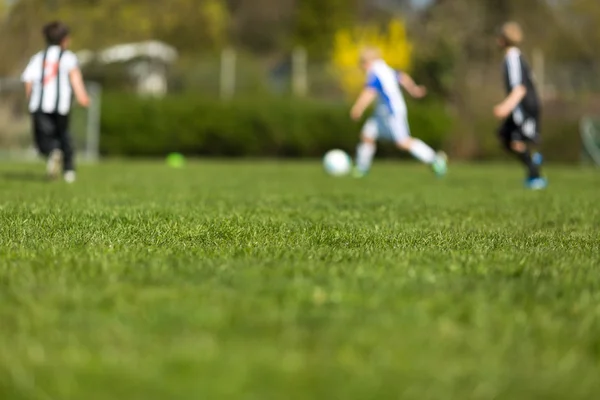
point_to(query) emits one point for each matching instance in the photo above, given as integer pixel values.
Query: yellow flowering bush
(392, 42)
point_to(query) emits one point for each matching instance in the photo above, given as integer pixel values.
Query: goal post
(16, 139)
(590, 139)
(92, 128)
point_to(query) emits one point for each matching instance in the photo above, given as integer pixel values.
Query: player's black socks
(525, 157)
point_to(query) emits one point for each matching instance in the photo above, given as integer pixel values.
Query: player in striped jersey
(520, 110)
(389, 120)
(50, 79)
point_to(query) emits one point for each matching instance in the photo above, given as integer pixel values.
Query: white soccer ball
(337, 163)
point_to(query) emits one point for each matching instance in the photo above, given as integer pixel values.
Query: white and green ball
(337, 163)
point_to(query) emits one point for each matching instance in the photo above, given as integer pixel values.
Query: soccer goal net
(16, 140)
(590, 138)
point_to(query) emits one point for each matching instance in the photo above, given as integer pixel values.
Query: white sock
(364, 156)
(422, 152)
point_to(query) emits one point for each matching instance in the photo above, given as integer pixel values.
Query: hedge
(261, 127)
(288, 127)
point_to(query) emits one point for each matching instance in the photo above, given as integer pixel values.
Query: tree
(188, 24)
(316, 23)
(261, 25)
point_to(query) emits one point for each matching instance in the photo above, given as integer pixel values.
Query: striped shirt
(516, 73)
(48, 72)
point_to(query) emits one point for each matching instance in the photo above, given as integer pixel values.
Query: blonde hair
(512, 33)
(369, 54)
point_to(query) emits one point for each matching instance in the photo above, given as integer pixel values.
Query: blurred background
(274, 78)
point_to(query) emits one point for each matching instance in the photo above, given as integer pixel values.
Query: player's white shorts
(393, 128)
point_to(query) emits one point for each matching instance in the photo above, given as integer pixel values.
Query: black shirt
(517, 72)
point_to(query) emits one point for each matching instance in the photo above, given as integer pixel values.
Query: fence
(232, 73)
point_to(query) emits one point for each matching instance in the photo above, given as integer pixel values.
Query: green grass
(271, 281)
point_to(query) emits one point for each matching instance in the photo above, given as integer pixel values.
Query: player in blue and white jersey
(389, 120)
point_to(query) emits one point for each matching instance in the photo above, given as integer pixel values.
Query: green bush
(260, 127)
(288, 127)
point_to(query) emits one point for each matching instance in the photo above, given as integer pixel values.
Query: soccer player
(50, 79)
(389, 120)
(520, 110)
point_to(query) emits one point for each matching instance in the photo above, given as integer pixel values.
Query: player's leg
(66, 147)
(532, 129)
(419, 149)
(515, 142)
(529, 132)
(534, 179)
(521, 151)
(536, 155)
(45, 128)
(365, 150)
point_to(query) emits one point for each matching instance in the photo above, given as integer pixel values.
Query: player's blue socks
(537, 182)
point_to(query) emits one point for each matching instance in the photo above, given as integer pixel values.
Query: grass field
(271, 281)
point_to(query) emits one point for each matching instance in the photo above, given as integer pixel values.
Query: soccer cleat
(440, 165)
(537, 158)
(359, 173)
(70, 176)
(536, 183)
(53, 164)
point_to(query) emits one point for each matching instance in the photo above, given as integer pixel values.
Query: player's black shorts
(527, 131)
(51, 131)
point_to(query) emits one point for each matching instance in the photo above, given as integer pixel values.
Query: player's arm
(76, 79)
(79, 87)
(408, 83)
(509, 104)
(28, 77)
(28, 89)
(363, 102)
(518, 89)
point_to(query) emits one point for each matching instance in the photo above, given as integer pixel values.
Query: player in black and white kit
(51, 77)
(520, 111)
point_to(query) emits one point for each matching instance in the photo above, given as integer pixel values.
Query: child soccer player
(50, 79)
(520, 111)
(389, 120)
